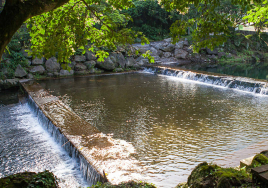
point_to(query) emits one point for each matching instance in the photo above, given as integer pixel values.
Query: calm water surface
(173, 124)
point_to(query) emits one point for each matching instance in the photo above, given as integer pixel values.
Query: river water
(26, 146)
(174, 124)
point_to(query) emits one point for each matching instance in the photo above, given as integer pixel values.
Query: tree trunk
(16, 12)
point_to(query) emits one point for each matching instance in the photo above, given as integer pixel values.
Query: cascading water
(26, 146)
(88, 172)
(242, 84)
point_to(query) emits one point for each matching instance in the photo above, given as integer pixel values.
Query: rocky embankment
(164, 52)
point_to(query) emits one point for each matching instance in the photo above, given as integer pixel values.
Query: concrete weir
(239, 83)
(101, 157)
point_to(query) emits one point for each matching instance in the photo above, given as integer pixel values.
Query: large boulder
(37, 70)
(52, 65)
(29, 179)
(168, 40)
(37, 61)
(154, 51)
(121, 60)
(130, 62)
(180, 54)
(143, 62)
(118, 59)
(210, 52)
(108, 64)
(79, 58)
(66, 72)
(143, 48)
(20, 72)
(80, 67)
(168, 48)
(90, 64)
(167, 54)
(179, 45)
(90, 56)
(9, 83)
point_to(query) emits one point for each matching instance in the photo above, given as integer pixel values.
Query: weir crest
(238, 83)
(101, 158)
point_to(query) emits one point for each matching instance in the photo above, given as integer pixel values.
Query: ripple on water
(172, 123)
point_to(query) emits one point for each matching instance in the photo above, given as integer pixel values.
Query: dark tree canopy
(62, 26)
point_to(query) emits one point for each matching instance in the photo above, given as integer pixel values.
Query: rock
(80, 67)
(90, 56)
(9, 83)
(179, 45)
(20, 72)
(214, 52)
(25, 53)
(143, 62)
(106, 65)
(66, 72)
(30, 76)
(118, 70)
(28, 62)
(185, 42)
(37, 69)
(258, 160)
(139, 58)
(29, 179)
(207, 176)
(168, 40)
(72, 64)
(168, 48)
(52, 65)
(56, 74)
(154, 51)
(167, 54)
(143, 48)
(180, 54)
(121, 61)
(79, 58)
(50, 74)
(130, 62)
(90, 64)
(38, 61)
(158, 45)
(92, 70)
(82, 72)
(98, 71)
(157, 58)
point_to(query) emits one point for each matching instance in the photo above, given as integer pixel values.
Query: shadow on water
(9, 97)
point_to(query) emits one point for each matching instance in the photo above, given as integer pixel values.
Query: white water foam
(239, 84)
(28, 147)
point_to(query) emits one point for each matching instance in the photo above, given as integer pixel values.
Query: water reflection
(173, 124)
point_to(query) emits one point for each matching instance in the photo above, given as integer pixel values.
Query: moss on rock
(210, 175)
(130, 184)
(44, 179)
(258, 160)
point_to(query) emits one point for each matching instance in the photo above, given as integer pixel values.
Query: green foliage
(30, 180)
(212, 175)
(258, 160)
(258, 15)
(151, 19)
(130, 184)
(78, 23)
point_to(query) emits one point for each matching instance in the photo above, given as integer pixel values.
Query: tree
(59, 27)
(16, 12)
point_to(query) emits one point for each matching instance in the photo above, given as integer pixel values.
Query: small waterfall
(88, 171)
(239, 83)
